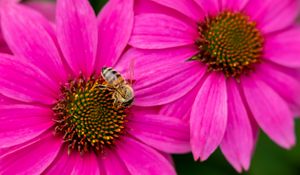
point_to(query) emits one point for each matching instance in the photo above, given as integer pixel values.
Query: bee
(123, 93)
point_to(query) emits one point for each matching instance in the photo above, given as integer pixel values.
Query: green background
(268, 159)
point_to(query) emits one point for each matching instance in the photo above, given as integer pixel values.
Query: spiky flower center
(86, 115)
(229, 42)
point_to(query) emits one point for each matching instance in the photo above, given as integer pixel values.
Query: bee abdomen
(112, 76)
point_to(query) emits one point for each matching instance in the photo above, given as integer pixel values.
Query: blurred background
(268, 158)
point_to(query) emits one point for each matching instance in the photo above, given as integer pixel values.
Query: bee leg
(115, 99)
(105, 87)
(102, 86)
(119, 105)
(116, 102)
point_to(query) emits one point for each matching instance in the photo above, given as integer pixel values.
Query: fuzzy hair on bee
(123, 93)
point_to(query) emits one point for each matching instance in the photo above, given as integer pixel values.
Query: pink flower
(55, 115)
(227, 66)
(46, 8)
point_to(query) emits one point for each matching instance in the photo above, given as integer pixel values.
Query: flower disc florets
(87, 117)
(229, 42)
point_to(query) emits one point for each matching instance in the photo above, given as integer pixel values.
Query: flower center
(229, 42)
(87, 117)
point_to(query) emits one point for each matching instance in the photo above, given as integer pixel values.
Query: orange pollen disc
(86, 116)
(230, 43)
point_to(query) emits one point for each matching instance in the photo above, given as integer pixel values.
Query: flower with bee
(60, 115)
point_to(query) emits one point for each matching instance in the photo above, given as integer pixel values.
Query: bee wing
(130, 71)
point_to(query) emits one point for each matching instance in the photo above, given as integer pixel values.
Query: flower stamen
(86, 116)
(229, 42)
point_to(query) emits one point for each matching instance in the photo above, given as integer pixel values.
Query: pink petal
(270, 111)
(158, 31)
(20, 123)
(7, 101)
(163, 79)
(4, 49)
(113, 164)
(238, 142)
(3, 46)
(211, 7)
(209, 116)
(84, 164)
(181, 108)
(1, 37)
(148, 110)
(141, 159)
(272, 15)
(146, 6)
(29, 35)
(168, 134)
(186, 7)
(233, 5)
(283, 83)
(115, 24)
(168, 157)
(3, 3)
(31, 159)
(46, 8)
(283, 48)
(63, 164)
(24, 82)
(144, 60)
(167, 84)
(75, 164)
(77, 34)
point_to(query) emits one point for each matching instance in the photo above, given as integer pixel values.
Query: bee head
(127, 95)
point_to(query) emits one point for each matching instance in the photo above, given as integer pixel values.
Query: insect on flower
(55, 119)
(123, 93)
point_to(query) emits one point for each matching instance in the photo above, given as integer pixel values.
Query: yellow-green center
(229, 42)
(86, 116)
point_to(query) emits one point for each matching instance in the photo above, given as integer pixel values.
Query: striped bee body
(122, 91)
(112, 77)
